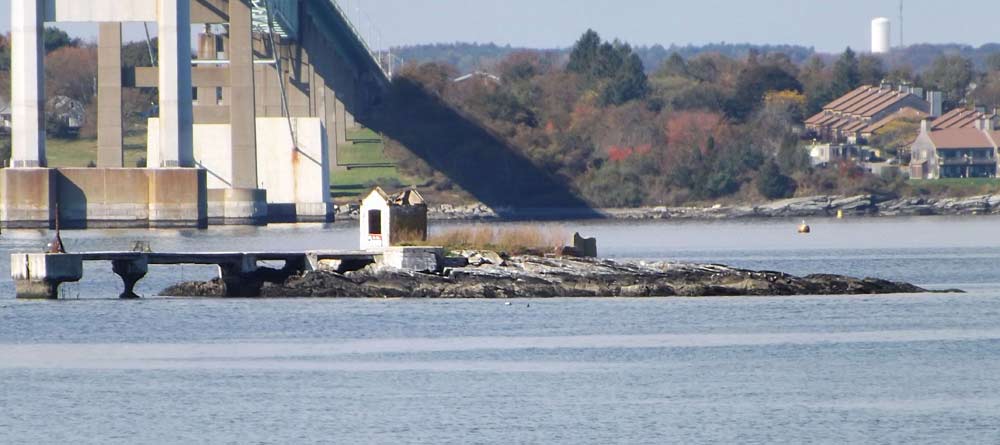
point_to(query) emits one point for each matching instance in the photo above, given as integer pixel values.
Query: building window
(374, 222)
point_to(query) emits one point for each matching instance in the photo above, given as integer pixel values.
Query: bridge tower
(275, 93)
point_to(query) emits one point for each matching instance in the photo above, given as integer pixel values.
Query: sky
(827, 25)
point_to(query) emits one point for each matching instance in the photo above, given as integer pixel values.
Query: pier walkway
(38, 275)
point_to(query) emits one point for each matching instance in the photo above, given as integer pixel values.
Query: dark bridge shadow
(474, 158)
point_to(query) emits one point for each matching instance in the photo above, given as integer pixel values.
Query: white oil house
(389, 220)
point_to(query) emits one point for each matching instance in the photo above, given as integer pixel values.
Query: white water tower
(880, 35)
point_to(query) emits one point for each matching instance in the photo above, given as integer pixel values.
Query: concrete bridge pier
(240, 278)
(27, 84)
(38, 275)
(130, 271)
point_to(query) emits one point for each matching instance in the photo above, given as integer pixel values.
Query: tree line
(701, 128)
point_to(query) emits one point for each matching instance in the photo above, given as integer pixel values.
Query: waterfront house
(955, 152)
(965, 118)
(391, 220)
(861, 113)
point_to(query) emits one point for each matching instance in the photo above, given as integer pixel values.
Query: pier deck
(38, 275)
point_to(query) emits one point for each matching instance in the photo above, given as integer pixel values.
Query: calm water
(891, 369)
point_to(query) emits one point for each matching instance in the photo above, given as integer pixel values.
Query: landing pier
(38, 275)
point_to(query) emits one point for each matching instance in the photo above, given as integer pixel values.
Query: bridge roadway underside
(38, 275)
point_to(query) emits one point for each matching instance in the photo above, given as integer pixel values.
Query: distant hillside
(468, 57)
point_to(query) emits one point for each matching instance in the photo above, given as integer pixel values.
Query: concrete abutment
(260, 148)
(38, 275)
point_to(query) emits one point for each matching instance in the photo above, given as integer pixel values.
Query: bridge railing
(285, 14)
(376, 56)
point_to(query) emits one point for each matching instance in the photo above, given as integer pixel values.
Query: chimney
(925, 126)
(917, 91)
(936, 99)
(884, 85)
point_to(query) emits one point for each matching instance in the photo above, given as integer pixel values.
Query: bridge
(247, 128)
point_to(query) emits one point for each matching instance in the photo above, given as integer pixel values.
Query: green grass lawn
(362, 133)
(957, 181)
(80, 152)
(955, 186)
(347, 185)
(350, 184)
(362, 153)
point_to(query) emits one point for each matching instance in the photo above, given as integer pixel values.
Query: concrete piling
(38, 275)
(130, 271)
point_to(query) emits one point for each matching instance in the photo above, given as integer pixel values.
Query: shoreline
(805, 207)
(484, 274)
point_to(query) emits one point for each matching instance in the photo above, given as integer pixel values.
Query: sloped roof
(958, 118)
(408, 197)
(995, 136)
(903, 113)
(854, 110)
(961, 138)
(847, 97)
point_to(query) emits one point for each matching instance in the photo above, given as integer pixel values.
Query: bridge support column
(341, 118)
(38, 275)
(176, 115)
(330, 118)
(240, 278)
(109, 96)
(130, 271)
(244, 201)
(27, 84)
(242, 107)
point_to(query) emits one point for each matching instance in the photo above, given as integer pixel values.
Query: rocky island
(479, 274)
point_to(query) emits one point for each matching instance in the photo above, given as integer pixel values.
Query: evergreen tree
(610, 57)
(55, 38)
(674, 66)
(871, 71)
(846, 75)
(753, 83)
(952, 75)
(583, 58)
(628, 83)
(772, 183)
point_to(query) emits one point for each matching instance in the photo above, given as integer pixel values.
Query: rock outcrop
(539, 277)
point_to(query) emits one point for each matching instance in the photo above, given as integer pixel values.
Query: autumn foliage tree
(697, 129)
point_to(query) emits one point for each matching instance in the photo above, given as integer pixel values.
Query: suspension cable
(149, 45)
(281, 80)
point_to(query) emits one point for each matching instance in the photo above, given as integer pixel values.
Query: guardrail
(376, 56)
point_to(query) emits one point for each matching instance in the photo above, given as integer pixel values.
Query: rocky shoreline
(805, 207)
(489, 275)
